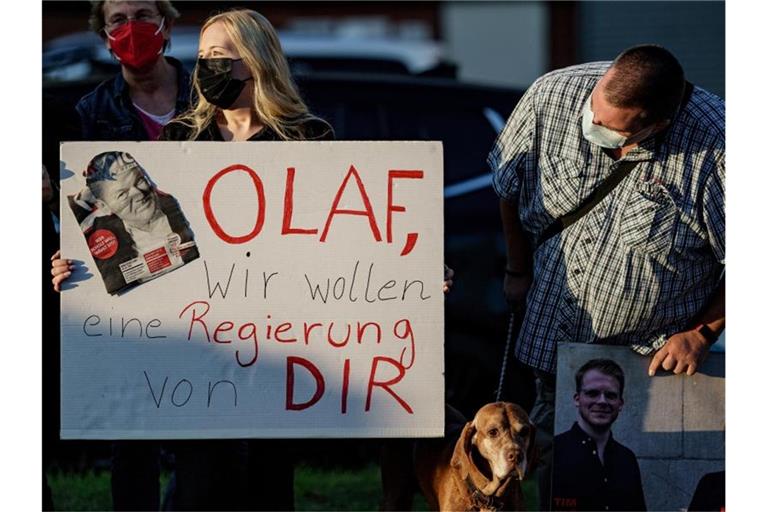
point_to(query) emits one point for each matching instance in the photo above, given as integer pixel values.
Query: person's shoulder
(699, 126)
(579, 73)
(624, 451)
(566, 448)
(567, 86)
(588, 69)
(705, 111)
(315, 128)
(93, 99)
(563, 437)
(179, 66)
(184, 79)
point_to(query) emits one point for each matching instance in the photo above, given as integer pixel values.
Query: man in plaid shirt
(645, 266)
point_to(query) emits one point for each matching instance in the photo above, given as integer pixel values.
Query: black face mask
(216, 82)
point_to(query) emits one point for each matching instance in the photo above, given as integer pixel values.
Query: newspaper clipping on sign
(134, 232)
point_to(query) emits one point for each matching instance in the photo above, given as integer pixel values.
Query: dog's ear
(460, 459)
(532, 453)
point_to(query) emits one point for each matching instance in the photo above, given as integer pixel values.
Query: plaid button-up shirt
(640, 265)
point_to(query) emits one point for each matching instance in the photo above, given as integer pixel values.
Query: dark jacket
(581, 482)
(107, 113)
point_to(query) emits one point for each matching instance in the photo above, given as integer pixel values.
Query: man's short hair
(606, 366)
(649, 77)
(97, 22)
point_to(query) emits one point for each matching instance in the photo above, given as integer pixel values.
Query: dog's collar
(482, 501)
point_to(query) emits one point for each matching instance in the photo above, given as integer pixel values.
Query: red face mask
(137, 44)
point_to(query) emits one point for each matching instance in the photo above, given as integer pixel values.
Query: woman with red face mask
(150, 89)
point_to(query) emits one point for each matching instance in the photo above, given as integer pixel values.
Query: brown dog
(483, 467)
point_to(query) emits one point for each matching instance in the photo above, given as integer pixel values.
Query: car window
(466, 134)
(365, 122)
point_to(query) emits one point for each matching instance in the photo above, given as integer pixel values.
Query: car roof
(71, 56)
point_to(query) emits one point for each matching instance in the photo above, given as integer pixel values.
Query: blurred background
(497, 43)
(449, 71)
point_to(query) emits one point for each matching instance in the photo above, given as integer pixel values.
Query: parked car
(82, 55)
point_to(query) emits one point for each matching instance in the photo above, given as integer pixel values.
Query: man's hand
(515, 290)
(683, 352)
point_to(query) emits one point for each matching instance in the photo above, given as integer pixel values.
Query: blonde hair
(275, 98)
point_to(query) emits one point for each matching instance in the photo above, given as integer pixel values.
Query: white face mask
(596, 134)
(605, 137)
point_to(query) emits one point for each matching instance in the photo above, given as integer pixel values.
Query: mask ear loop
(111, 51)
(159, 29)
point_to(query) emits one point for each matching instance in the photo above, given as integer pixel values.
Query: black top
(314, 128)
(710, 493)
(581, 482)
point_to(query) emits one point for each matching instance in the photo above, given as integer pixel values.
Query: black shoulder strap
(597, 195)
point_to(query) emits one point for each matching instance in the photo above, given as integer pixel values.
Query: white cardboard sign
(311, 307)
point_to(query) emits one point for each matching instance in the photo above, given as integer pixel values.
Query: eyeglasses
(595, 393)
(119, 20)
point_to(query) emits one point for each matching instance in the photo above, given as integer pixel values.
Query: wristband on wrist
(708, 333)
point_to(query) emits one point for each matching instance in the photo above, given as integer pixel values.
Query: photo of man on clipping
(134, 232)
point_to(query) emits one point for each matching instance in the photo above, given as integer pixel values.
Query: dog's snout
(513, 456)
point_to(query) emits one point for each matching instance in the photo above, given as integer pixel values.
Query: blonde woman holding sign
(244, 93)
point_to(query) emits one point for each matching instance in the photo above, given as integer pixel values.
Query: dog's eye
(493, 432)
(524, 430)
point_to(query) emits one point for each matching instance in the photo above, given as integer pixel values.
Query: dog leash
(510, 331)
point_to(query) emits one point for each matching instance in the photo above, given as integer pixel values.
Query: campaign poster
(666, 433)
